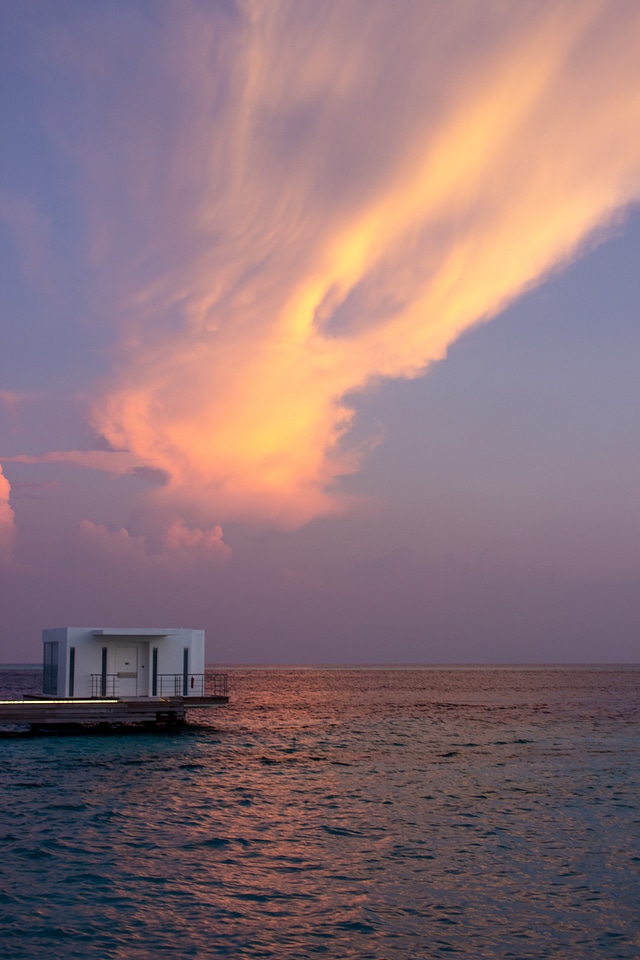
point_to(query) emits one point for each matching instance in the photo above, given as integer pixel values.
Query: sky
(319, 327)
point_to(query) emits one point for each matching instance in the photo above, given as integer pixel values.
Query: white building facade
(123, 662)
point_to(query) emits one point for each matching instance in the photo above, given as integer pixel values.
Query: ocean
(361, 813)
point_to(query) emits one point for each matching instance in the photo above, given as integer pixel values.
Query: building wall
(130, 661)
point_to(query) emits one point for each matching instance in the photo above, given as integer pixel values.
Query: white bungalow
(123, 662)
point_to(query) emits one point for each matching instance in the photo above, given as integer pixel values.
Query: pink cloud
(180, 536)
(178, 544)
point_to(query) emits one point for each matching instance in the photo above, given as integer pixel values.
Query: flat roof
(132, 632)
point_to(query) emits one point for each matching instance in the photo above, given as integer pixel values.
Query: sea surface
(340, 813)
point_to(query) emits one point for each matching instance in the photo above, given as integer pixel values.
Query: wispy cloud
(329, 195)
(30, 232)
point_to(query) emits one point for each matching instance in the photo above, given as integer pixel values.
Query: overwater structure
(114, 675)
(123, 662)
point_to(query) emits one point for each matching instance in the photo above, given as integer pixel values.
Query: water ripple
(337, 813)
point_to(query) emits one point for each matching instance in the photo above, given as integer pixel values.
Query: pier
(169, 712)
(157, 711)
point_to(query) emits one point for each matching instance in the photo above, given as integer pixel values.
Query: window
(72, 670)
(103, 678)
(50, 668)
(185, 672)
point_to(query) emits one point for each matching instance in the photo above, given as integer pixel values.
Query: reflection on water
(339, 813)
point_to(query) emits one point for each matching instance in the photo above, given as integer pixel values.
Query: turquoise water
(488, 813)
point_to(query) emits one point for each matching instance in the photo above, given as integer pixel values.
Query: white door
(127, 671)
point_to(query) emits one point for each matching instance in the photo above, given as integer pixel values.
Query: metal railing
(104, 684)
(207, 684)
(216, 684)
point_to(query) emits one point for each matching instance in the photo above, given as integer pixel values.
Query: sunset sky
(319, 326)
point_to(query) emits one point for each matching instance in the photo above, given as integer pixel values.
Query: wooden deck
(49, 711)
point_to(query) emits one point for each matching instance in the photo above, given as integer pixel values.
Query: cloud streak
(115, 462)
(333, 196)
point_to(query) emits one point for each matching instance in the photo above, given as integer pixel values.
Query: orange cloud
(346, 191)
(7, 525)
